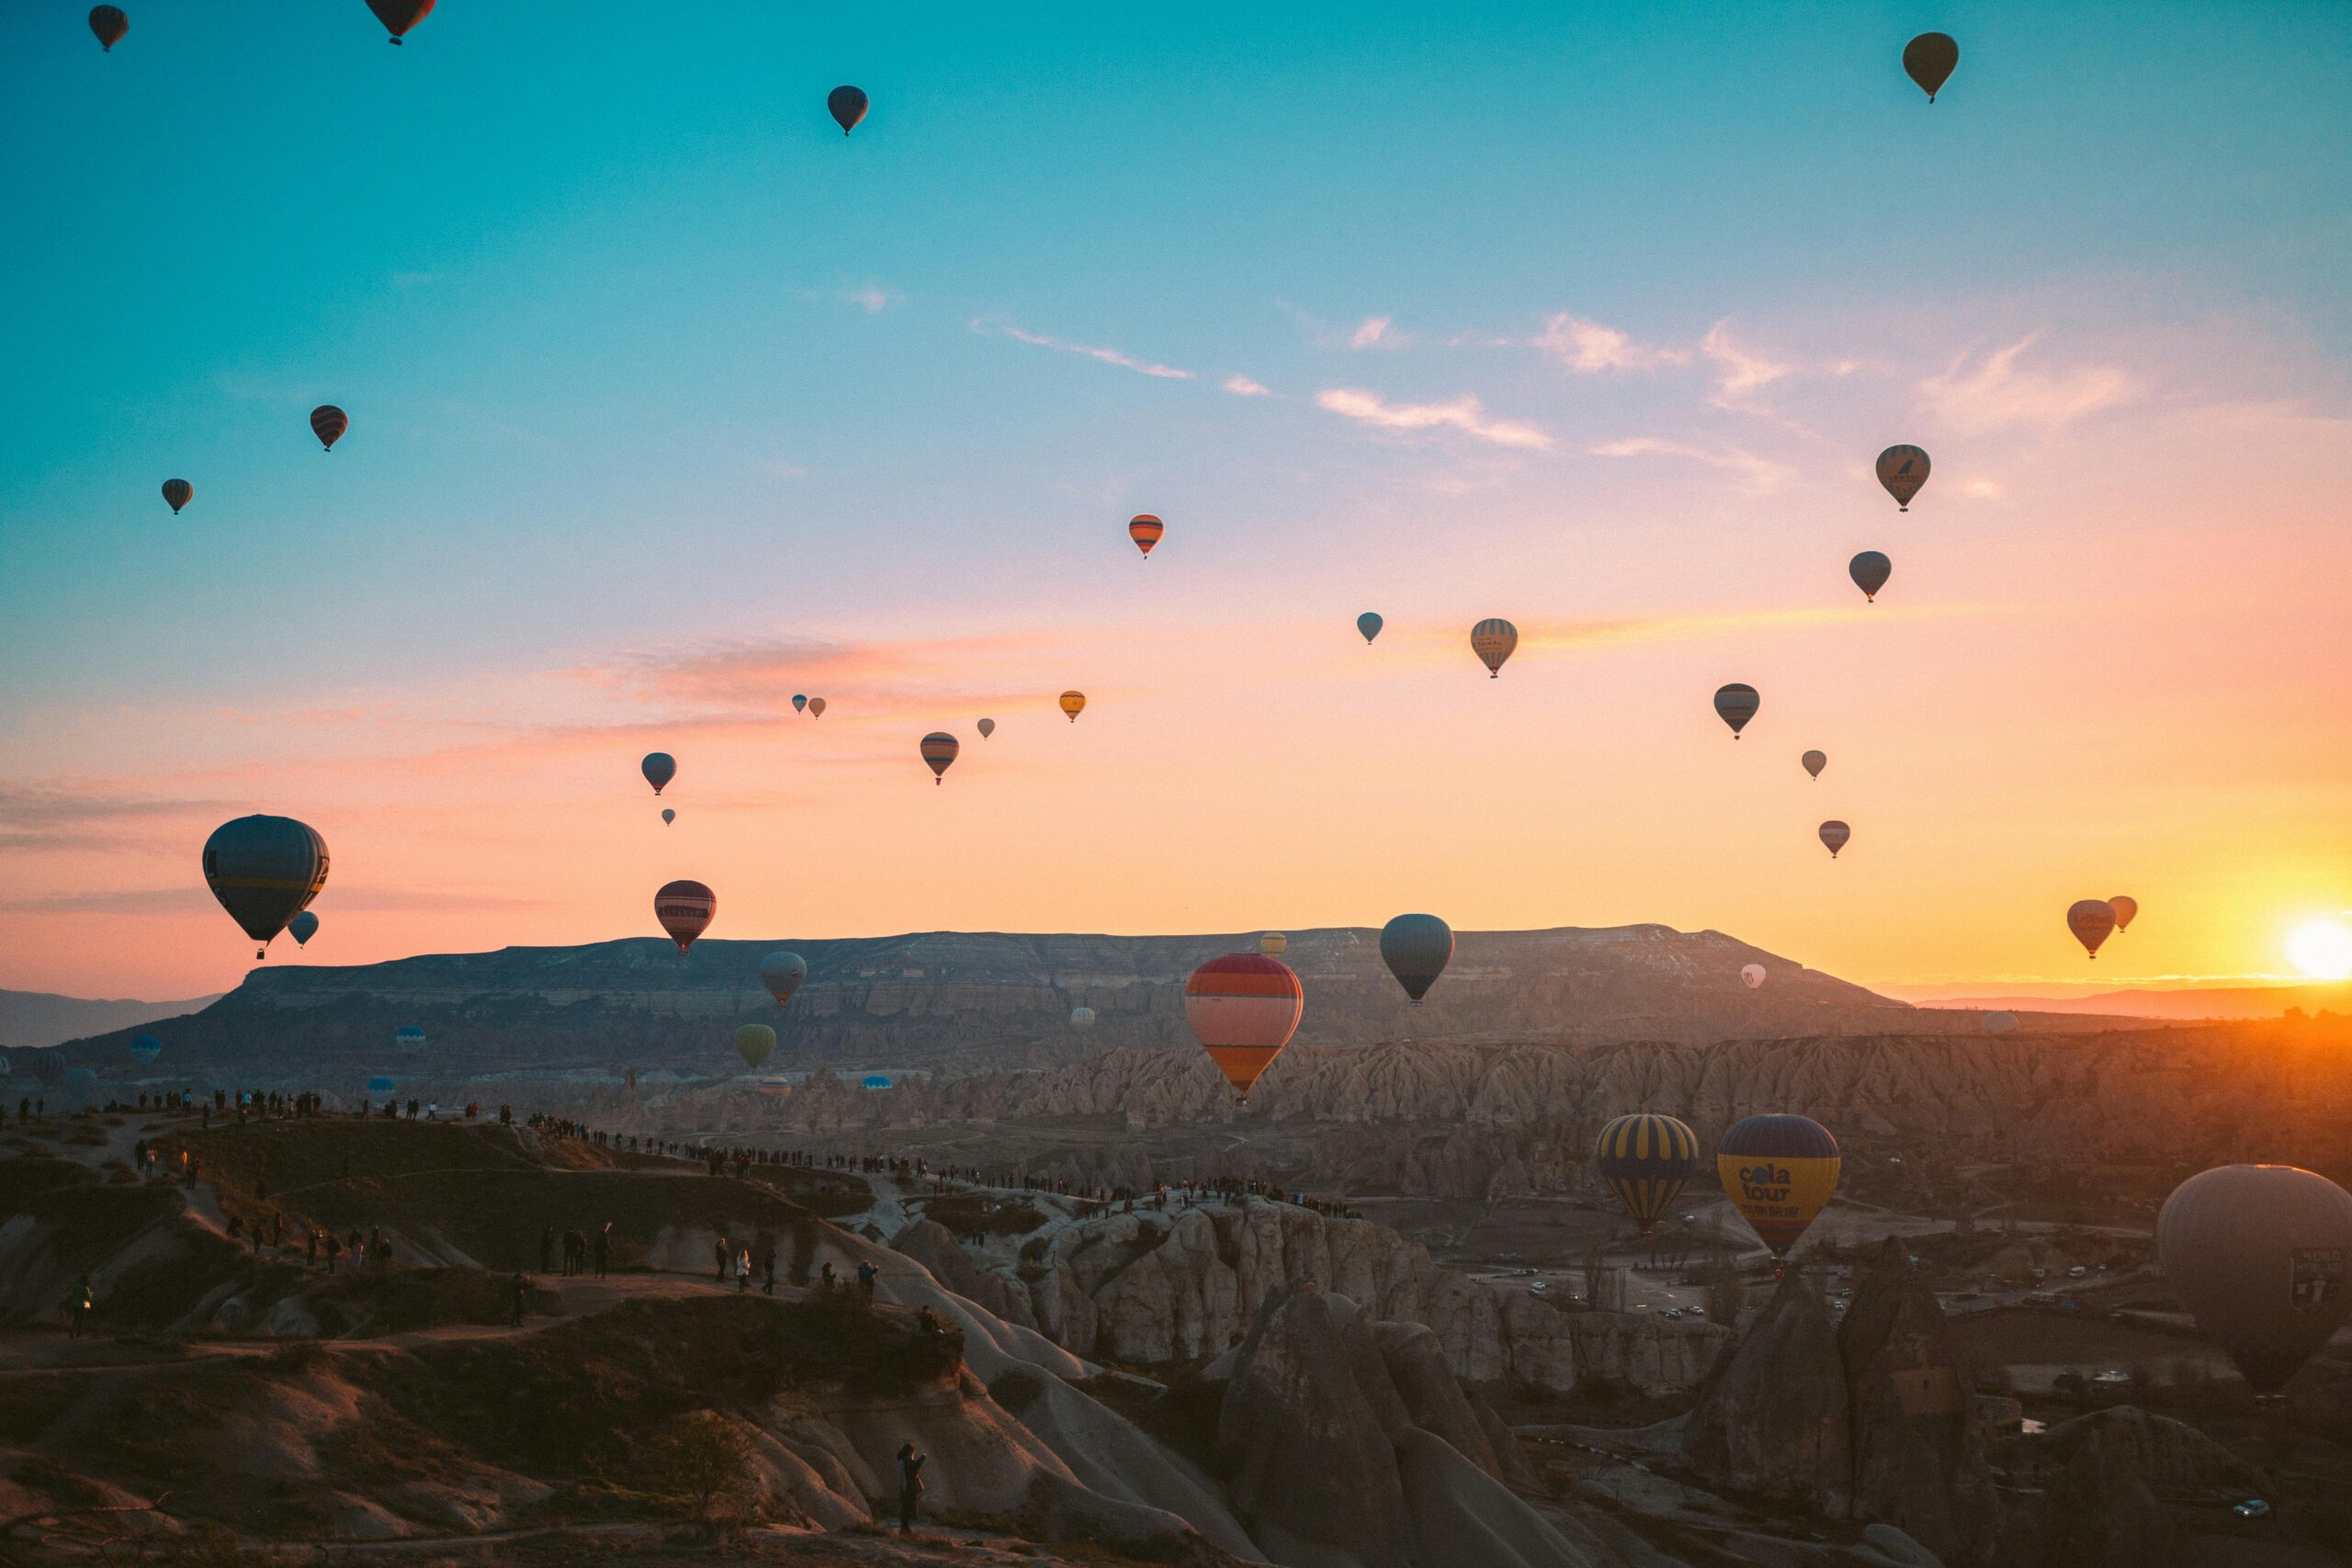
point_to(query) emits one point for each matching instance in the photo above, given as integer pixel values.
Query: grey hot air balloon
(1736, 705)
(1417, 949)
(2259, 1254)
(986, 728)
(264, 870)
(1814, 761)
(1369, 624)
(1929, 60)
(1869, 571)
(302, 928)
(1835, 834)
(1903, 469)
(2000, 1024)
(781, 971)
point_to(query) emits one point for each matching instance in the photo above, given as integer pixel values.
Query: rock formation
(1774, 1418)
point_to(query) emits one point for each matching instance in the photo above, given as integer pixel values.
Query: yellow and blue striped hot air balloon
(1645, 1158)
(1779, 1172)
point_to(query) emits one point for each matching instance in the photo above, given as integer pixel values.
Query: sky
(668, 401)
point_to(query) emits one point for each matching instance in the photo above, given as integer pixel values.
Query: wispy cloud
(1374, 331)
(1588, 348)
(1738, 371)
(1464, 414)
(989, 327)
(872, 298)
(1243, 387)
(1996, 390)
(1760, 474)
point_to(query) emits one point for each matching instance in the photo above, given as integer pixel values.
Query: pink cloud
(1107, 356)
(1241, 385)
(1760, 474)
(1464, 414)
(1997, 392)
(1588, 348)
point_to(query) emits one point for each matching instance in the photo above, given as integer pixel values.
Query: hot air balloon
(847, 106)
(1736, 705)
(1144, 530)
(2126, 909)
(1492, 640)
(1903, 469)
(177, 493)
(986, 728)
(1751, 975)
(2000, 1024)
(1835, 833)
(782, 973)
(398, 15)
(1869, 571)
(816, 707)
(800, 703)
(408, 1037)
(328, 423)
(1779, 1172)
(1814, 761)
(668, 815)
(2091, 920)
(1929, 61)
(1416, 948)
(1645, 1158)
(381, 1085)
(1369, 624)
(1274, 945)
(1073, 703)
(939, 749)
(754, 1043)
(264, 870)
(685, 910)
(1082, 1017)
(6, 1065)
(1243, 1008)
(109, 24)
(302, 928)
(145, 1048)
(658, 769)
(48, 1067)
(2259, 1254)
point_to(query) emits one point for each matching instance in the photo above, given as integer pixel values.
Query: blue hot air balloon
(1416, 948)
(145, 1048)
(381, 1085)
(874, 1080)
(302, 928)
(408, 1037)
(1369, 624)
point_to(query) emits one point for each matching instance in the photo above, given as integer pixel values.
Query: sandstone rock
(935, 1246)
(2099, 1512)
(1774, 1416)
(2178, 1462)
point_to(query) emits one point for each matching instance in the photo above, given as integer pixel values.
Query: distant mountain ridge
(2189, 1004)
(40, 1017)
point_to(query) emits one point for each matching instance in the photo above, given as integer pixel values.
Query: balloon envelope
(328, 423)
(1369, 624)
(754, 1043)
(1869, 571)
(799, 701)
(1779, 1172)
(668, 815)
(398, 15)
(48, 1067)
(381, 1085)
(1416, 948)
(302, 928)
(658, 769)
(685, 910)
(2259, 1253)
(2000, 1024)
(177, 493)
(986, 728)
(1144, 530)
(1736, 705)
(2126, 909)
(408, 1037)
(816, 707)
(874, 1080)
(1073, 703)
(1751, 975)
(1274, 945)
(1929, 61)
(108, 24)
(1645, 1158)
(1492, 640)
(939, 749)
(1835, 834)
(1903, 469)
(145, 1048)
(264, 870)
(1082, 1017)
(1814, 761)
(2092, 920)
(1243, 1008)
(782, 973)
(847, 106)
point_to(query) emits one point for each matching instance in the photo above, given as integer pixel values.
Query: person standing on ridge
(718, 1250)
(910, 1486)
(866, 1274)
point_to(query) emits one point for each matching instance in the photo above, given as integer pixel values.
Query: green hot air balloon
(1869, 571)
(1645, 1159)
(1417, 949)
(754, 1043)
(1736, 705)
(264, 870)
(782, 974)
(2260, 1254)
(1369, 624)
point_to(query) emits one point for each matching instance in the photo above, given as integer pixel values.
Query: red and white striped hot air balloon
(685, 910)
(1244, 1008)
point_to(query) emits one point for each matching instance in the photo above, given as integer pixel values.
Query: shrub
(704, 1459)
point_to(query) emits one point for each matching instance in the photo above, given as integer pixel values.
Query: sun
(2322, 950)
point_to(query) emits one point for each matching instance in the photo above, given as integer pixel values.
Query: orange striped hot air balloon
(939, 749)
(1144, 530)
(1244, 1008)
(1073, 703)
(685, 910)
(328, 423)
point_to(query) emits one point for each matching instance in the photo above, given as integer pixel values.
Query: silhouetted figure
(718, 1250)
(547, 1250)
(910, 1487)
(603, 1249)
(866, 1274)
(767, 1270)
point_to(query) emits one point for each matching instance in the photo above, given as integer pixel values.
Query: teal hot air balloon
(874, 1080)
(799, 701)
(658, 769)
(145, 1048)
(1369, 624)
(381, 1085)
(1869, 571)
(782, 974)
(1416, 948)
(1645, 1158)
(1082, 1017)
(265, 871)
(302, 928)
(1736, 705)
(408, 1037)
